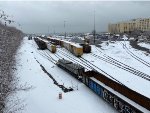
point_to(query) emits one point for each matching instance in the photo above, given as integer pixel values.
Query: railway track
(134, 56)
(101, 70)
(121, 65)
(44, 54)
(94, 67)
(71, 57)
(50, 57)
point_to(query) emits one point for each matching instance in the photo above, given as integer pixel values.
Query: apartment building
(142, 24)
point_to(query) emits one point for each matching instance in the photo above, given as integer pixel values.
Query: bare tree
(10, 40)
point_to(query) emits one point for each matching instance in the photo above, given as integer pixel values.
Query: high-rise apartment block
(142, 24)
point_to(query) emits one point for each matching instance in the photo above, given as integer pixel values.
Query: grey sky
(37, 17)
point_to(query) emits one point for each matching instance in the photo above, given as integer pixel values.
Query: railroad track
(50, 57)
(94, 67)
(71, 57)
(123, 66)
(134, 56)
(44, 54)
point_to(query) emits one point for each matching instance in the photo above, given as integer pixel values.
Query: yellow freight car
(76, 49)
(51, 47)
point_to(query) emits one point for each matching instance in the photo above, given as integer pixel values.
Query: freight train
(41, 44)
(118, 95)
(44, 44)
(75, 48)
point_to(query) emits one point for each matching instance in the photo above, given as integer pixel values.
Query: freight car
(74, 69)
(41, 44)
(44, 44)
(51, 47)
(86, 48)
(56, 41)
(75, 49)
(118, 95)
(104, 87)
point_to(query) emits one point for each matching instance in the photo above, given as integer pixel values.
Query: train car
(55, 41)
(41, 44)
(74, 69)
(75, 49)
(118, 103)
(51, 47)
(86, 48)
(66, 45)
(92, 79)
(116, 94)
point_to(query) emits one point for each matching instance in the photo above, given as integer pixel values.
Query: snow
(72, 43)
(121, 96)
(43, 97)
(146, 45)
(116, 51)
(124, 37)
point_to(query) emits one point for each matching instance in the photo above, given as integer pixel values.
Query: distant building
(142, 24)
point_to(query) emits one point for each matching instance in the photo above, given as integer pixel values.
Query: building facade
(142, 24)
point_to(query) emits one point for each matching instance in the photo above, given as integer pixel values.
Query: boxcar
(118, 103)
(76, 50)
(86, 48)
(51, 47)
(117, 87)
(41, 44)
(66, 45)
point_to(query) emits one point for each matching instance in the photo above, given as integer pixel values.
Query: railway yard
(106, 78)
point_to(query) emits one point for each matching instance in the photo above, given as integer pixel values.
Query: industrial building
(142, 24)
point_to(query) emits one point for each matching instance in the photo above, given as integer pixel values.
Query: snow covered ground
(43, 98)
(116, 51)
(146, 45)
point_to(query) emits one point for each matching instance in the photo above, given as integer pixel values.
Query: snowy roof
(74, 44)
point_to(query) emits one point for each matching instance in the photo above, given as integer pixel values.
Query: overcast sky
(41, 17)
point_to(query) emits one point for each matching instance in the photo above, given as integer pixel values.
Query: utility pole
(94, 27)
(65, 28)
(54, 29)
(48, 30)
